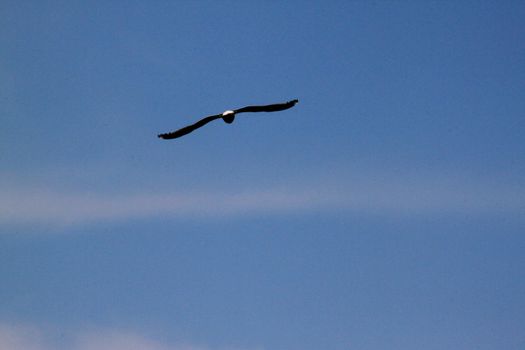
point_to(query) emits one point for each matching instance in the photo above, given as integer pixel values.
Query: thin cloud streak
(23, 337)
(408, 198)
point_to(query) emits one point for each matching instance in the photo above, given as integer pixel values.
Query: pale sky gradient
(386, 210)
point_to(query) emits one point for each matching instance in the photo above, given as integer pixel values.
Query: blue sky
(385, 211)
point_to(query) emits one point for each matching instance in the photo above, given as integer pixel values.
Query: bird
(227, 116)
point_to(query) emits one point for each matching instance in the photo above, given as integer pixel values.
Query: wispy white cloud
(29, 206)
(392, 197)
(20, 338)
(23, 337)
(112, 340)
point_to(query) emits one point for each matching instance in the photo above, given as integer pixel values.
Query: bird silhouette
(228, 117)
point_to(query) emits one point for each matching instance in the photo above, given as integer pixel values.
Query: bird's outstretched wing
(268, 108)
(189, 128)
(228, 117)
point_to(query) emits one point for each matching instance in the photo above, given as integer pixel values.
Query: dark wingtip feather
(166, 136)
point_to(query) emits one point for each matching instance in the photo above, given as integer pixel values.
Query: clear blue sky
(385, 211)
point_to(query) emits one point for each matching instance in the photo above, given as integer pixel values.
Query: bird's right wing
(189, 128)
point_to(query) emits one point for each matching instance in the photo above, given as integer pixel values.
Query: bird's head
(228, 116)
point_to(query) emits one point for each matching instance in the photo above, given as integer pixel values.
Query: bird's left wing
(268, 108)
(189, 128)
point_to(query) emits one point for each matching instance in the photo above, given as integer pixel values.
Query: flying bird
(228, 117)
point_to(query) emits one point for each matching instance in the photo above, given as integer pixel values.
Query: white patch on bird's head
(228, 116)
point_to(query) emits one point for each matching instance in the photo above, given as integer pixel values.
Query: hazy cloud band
(26, 206)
